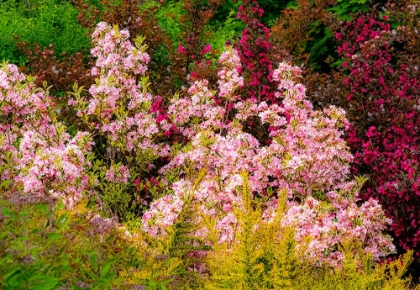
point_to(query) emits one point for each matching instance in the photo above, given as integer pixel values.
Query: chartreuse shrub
(261, 255)
(44, 248)
(265, 256)
(43, 22)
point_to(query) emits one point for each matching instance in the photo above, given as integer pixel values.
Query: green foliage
(358, 271)
(39, 21)
(263, 254)
(272, 10)
(41, 248)
(320, 47)
(169, 17)
(344, 8)
(171, 261)
(183, 245)
(147, 264)
(226, 30)
(225, 25)
(22, 263)
(44, 248)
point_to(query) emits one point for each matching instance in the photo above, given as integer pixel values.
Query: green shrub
(43, 22)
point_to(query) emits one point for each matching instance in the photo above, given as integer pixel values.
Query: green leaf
(107, 266)
(62, 221)
(47, 283)
(9, 277)
(93, 258)
(51, 238)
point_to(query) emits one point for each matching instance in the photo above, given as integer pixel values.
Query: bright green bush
(45, 248)
(40, 21)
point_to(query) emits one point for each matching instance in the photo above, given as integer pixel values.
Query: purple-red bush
(378, 84)
(60, 73)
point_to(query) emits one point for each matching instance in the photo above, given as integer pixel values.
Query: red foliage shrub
(379, 86)
(63, 73)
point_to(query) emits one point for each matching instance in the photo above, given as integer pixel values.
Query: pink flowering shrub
(36, 151)
(306, 157)
(327, 225)
(118, 112)
(55, 166)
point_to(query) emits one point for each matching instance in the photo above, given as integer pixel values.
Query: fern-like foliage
(184, 245)
(263, 254)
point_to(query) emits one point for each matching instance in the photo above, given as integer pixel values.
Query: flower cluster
(325, 227)
(55, 168)
(22, 107)
(48, 162)
(306, 156)
(120, 105)
(229, 78)
(117, 174)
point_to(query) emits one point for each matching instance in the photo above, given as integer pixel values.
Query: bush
(238, 168)
(43, 22)
(379, 88)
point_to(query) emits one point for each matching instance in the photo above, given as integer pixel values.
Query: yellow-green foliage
(146, 263)
(45, 247)
(169, 262)
(358, 271)
(264, 256)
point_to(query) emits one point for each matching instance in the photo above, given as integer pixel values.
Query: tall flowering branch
(120, 105)
(229, 77)
(254, 48)
(127, 129)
